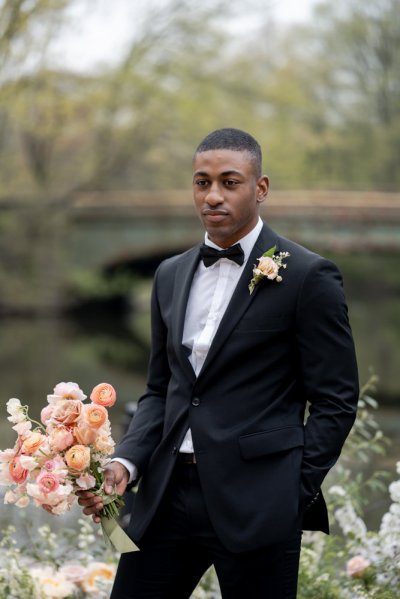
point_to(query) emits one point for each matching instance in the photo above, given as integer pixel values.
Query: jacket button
(195, 401)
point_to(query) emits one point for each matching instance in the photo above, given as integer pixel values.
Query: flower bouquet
(67, 451)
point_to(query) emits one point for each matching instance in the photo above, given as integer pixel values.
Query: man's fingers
(91, 503)
(109, 481)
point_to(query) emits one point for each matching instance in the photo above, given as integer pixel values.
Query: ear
(262, 188)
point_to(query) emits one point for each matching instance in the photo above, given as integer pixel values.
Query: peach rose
(47, 482)
(267, 267)
(78, 458)
(97, 572)
(17, 472)
(67, 411)
(357, 565)
(84, 434)
(32, 443)
(95, 415)
(60, 438)
(104, 395)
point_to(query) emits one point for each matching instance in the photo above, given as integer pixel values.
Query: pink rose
(67, 411)
(104, 395)
(47, 482)
(45, 414)
(17, 472)
(66, 391)
(357, 565)
(60, 438)
(58, 466)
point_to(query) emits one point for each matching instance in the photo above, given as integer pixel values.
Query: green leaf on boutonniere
(269, 253)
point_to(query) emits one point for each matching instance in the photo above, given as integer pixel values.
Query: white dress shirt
(210, 294)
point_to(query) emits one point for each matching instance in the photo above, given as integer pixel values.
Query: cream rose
(267, 267)
(104, 443)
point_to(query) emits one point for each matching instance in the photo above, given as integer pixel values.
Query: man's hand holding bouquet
(67, 454)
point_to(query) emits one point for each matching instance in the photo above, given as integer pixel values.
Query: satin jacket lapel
(241, 298)
(183, 281)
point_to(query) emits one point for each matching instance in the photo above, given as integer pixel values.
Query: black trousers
(181, 545)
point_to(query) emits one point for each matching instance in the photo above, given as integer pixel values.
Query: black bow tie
(210, 255)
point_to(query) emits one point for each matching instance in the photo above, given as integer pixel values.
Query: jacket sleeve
(145, 429)
(328, 371)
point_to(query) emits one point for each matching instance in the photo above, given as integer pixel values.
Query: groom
(229, 468)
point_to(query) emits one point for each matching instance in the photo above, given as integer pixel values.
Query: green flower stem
(112, 502)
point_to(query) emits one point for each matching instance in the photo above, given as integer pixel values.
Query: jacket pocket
(272, 441)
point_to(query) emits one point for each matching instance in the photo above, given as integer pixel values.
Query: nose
(214, 196)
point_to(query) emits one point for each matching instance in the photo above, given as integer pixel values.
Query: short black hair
(233, 139)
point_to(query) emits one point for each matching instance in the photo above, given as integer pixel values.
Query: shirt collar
(247, 242)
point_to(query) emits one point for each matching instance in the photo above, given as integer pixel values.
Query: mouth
(214, 216)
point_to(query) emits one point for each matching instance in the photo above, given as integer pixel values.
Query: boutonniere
(268, 267)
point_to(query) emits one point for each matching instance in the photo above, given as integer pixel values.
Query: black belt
(187, 458)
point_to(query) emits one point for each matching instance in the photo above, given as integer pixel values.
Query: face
(227, 194)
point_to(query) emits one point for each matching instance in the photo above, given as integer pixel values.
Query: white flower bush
(354, 562)
(67, 564)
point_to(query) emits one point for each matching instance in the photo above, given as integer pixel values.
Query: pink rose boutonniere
(268, 267)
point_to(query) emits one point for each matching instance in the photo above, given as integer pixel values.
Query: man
(228, 472)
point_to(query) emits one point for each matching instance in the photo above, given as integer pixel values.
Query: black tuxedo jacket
(260, 465)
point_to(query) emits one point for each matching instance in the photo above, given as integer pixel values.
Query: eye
(201, 182)
(230, 182)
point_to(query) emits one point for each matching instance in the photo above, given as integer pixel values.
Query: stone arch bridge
(102, 232)
(108, 228)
